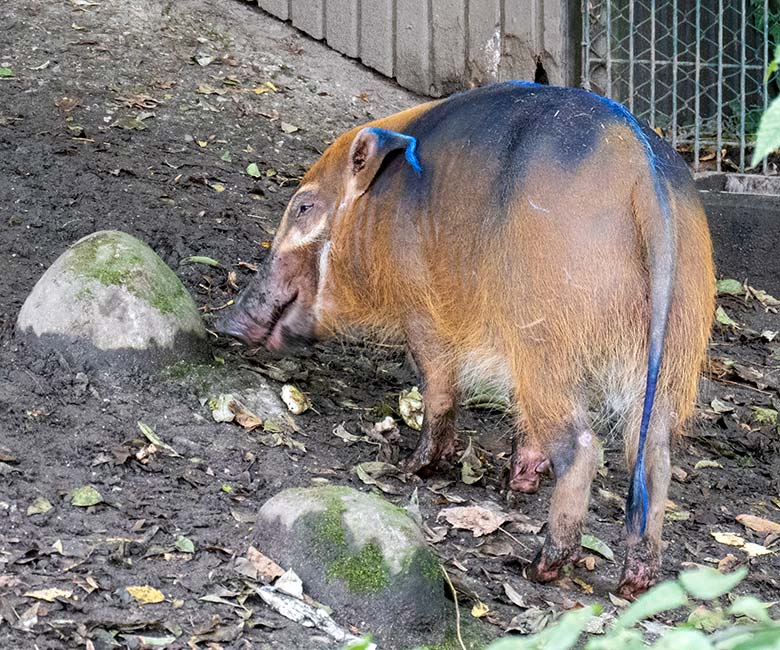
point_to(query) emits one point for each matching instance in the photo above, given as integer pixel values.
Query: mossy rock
(363, 557)
(109, 298)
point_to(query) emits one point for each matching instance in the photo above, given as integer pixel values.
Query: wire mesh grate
(692, 69)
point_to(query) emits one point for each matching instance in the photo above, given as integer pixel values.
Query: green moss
(365, 572)
(475, 637)
(116, 259)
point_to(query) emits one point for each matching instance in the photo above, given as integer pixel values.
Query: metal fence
(692, 68)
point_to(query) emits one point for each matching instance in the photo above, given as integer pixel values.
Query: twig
(514, 539)
(457, 609)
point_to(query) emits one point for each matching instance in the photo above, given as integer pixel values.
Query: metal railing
(693, 69)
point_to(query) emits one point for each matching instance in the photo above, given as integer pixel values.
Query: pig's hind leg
(643, 557)
(573, 456)
(438, 376)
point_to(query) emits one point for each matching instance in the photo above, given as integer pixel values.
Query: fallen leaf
(597, 546)
(471, 470)
(295, 400)
(226, 157)
(243, 416)
(719, 406)
(49, 595)
(731, 539)
(6, 73)
(583, 585)
(724, 319)
(253, 170)
(152, 437)
(265, 566)
(185, 544)
(146, 595)
(85, 496)
(370, 473)
(480, 609)
(202, 59)
(200, 259)
(730, 287)
(288, 128)
(755, 550)
(290, 584)
(479, 520)
(514, 597)
(728, 563)
(758, 524)
(39, 506)
(763, 415)
(411, 407)
(702, 464)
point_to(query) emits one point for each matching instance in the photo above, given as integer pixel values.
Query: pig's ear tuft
(369, 149)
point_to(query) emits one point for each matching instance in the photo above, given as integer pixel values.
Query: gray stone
(484, 39)
(110, 299)
(413, 46)
(308, 16)
(376, 35)
(449, 45)
(278, 8)
(363, 557)
(341, 26)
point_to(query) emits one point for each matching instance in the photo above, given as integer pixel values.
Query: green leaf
(768, 136)
(562, 635)
(226, 157)
(361, 644)
(751, 607)
(730, 287)
(762, 640)
(253, 170)
(152, 437)
(185, 544)
(687, 639)
(668, 595)
(763, 415)
(85, 496)
(39, 506)
(597, 546)
(6, 72)
(724, 319)
(708, 583)
(200, 259)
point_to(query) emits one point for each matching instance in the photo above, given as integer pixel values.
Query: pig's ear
(369, 149)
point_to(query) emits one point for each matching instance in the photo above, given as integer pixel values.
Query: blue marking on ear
(387, 138)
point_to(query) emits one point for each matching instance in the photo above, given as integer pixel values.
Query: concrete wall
(437, 46)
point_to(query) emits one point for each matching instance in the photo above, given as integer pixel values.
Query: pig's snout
(238, 324)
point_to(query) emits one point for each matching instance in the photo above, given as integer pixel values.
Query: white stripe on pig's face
(306, 220)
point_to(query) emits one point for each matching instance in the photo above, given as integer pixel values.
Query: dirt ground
(143, 115)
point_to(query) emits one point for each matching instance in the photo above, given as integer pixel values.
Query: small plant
(744, 625)
(768, 136)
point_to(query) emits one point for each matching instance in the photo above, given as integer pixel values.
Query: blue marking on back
(385, 137)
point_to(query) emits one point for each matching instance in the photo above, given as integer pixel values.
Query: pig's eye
(304, 208)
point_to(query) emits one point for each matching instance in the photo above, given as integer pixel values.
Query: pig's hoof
(543, 570)
(635, 581)
(425, 458)
(525, 473)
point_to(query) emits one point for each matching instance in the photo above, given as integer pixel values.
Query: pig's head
(289, 301)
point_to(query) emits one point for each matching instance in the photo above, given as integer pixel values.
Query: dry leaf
(479, 610)
(264, 565)
(754, 550)
(49, 595)
(479, 520)
(758, 524)
(731, 539)
(146, 595)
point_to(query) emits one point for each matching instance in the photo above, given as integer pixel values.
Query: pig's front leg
(437, 379)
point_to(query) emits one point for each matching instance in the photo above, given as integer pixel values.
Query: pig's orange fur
(559, 291)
